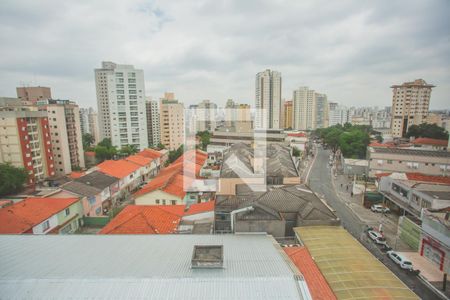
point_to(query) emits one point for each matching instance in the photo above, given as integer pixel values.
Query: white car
(376, 237)
(400, 260)
(379, 208)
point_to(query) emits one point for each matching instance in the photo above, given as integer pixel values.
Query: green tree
(296, 152)
(128, 150)
(427, 130)
(354, 143)
(88, 140)
(12, 179)
(102, 153)
(174, 154)
(205, 137)
(106, 142)
(332, 137)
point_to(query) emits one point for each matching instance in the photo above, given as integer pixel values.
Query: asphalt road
(320, 182)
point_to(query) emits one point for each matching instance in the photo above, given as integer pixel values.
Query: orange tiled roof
(75, 175)
(139, 160)
(174, 177)
(300, 134)
(117, 168)
(24, 215)
(150, 153)
(317, 284)
(429, 141)
(428, 178)
(145, 219)
(200, 208)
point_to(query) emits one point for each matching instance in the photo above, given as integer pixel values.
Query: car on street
(379, 208)
(377, 237)
(400, 260)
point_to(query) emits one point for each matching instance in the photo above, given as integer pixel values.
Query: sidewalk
(389, 222)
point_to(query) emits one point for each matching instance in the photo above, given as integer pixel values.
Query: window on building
(46, 225)
(67, 211)
(173, 202)
(164, 202)
(157, 201)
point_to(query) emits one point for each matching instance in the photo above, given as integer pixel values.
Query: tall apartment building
(410, 105)
(93, 125)
(268, 100)
(65, 132)
(337, 114)
(32, 94)
(171, 122)
(89, 123)
(153, 122)
(288, 114)
(304, 109)
(238, 117)
(121, 104)
(84, 120)
(206, 116)
(25, 139)
(321, 108)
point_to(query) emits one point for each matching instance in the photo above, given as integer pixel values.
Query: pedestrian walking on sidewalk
(347, 188)
(351, 194)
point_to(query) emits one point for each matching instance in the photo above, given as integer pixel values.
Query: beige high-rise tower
(268, 100)
(171, 122)
(410, 105)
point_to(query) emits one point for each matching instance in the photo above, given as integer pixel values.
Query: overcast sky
(351, 50)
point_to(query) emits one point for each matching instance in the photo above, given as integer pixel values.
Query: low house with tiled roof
(96, 191)
(430, 144)
(272, 209)
(127, 172)
(148, 166)
(162, 219)
(41, 216)
(173, 184)
(159, 157)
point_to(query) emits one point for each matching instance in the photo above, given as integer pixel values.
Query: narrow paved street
(320, 182)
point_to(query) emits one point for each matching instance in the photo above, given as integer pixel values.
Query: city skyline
(338, 57)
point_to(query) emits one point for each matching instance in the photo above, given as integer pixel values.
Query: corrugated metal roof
(151, 267)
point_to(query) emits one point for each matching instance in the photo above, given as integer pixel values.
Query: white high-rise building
(321, 110)
(268, 100)
(304, 109)
(206, 116)
(153, 122)
(121, 104)
(337, 114)
(84, 120)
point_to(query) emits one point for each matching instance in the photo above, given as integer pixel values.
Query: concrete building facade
(153, 122)
(33, 94)
(410, 105)
(171, 122)
(65, 131)
(268, 100)
(304, 109)
(429, 162)
(121, 104)
(288, 114)
(25, 141)
(206, 116)
(337, 114)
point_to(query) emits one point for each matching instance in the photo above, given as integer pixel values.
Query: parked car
(377, 237)
(379, 208)
(400, 260)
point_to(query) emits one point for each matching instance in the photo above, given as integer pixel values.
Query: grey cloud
(351, 50)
